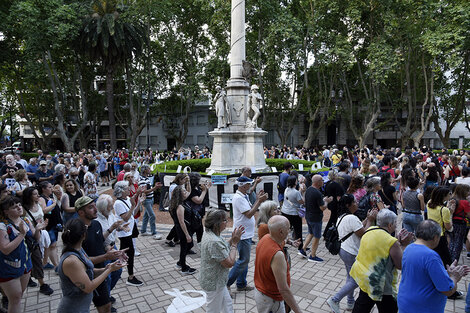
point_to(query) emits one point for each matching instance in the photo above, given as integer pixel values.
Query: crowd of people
(56, 198)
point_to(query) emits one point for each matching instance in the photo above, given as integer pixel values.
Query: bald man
(315, 204)
(272, 274)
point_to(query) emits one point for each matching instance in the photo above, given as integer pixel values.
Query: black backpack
(332, 240)
(363, 207)
(192, 218)
(327, 162)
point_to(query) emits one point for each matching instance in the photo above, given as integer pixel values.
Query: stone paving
(312, 283)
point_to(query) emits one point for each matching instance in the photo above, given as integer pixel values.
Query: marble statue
(222, 108)
(254, 104)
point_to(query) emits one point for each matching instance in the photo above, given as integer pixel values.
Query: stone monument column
(237, 87)
(236, 146)
(237, 39)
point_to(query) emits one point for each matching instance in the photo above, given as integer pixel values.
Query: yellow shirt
(435, 215)
(373, 270)
(335, 159)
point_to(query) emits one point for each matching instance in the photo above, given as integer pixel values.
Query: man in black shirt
(333, 189)
(315, 204)
(95, 248)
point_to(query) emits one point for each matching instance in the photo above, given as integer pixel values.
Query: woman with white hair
(375, 268)
(267, 209)
(110, 224)
(125, 209)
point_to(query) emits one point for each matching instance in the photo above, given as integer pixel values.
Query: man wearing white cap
(243, 215)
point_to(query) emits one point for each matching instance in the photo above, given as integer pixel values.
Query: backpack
(192, 218)
(332, 240)
(327, 162)
(363, 207)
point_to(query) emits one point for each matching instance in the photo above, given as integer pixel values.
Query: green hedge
(29, 155)
(196, 165)
(200, 165)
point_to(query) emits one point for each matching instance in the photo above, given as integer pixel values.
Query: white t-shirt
(18, 186)
(170, 190)
(463, 180)
(241, 204)
(291, 201)
(106, 223)
(121, 208)
(349, 223)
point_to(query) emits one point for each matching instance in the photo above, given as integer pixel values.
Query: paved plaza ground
(312, 283)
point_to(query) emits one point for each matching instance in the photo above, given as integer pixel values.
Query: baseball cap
(242, 180)
(42, 162)
(82, 202)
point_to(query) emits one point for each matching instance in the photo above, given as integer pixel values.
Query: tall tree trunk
(426, 115)
(137, 121)
(110, 103)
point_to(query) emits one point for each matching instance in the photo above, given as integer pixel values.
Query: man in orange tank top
(272, 276)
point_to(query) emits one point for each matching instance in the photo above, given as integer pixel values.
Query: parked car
(16, 147)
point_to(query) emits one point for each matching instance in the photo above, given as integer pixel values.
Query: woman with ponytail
(76, 271)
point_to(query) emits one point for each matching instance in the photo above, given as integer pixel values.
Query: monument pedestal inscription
(236, 149)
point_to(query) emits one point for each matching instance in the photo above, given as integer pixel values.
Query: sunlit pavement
(312, 283)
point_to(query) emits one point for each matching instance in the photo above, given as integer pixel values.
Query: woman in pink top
(356, 187)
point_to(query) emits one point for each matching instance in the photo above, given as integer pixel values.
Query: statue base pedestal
(236, 148)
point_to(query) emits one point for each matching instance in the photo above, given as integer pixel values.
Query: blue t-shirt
(282, 182)
(32, 168)
(423, 279)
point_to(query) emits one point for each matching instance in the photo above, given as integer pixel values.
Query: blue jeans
(467, 301)
(149, 216)
(240, 269)
(348, 288)
(411, 221)
(113, 277)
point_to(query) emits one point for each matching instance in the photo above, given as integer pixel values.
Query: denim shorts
(53, 234)
(314, 228)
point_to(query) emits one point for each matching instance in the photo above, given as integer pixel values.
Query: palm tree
(111, 40)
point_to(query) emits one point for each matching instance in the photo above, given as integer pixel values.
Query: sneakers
(178, 266)
(246, 288)
(45, 289)
(302, 253)
(157, 237)
(146, 233)
(350, 306)
(136, 253)
(189, 271)
(456, 295)
(48, 266)
(315, 259)
(170, 243)
(333, 305)
(32, 283)
(134, 282)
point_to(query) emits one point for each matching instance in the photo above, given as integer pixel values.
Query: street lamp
(148, 101)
